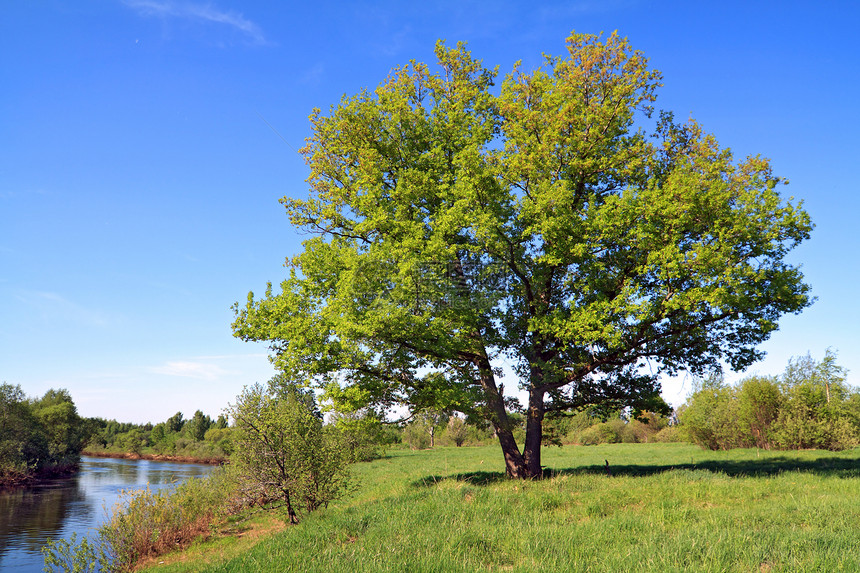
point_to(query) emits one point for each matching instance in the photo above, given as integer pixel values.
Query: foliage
(602, 433)
(38, 436)
(147, 523)
(421, 432)
(647, 427)
(64, 429)
(759, 403)
(199, 438)
(710, 416)
(71, 555)
(808, 406)
(671, 434)
(416, 434)
(197, 426)
(457, 225)
(363, 433)
(657, 510)
(456, 431)
(283, 453)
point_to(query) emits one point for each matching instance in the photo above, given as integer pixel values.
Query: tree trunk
(514, 466)
(294, 519)
(534, 435)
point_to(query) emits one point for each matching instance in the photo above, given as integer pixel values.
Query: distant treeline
(199, 437)
(38, 436)
(809, 406)
(44, 437)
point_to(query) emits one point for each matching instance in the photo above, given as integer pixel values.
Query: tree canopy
(550, 223)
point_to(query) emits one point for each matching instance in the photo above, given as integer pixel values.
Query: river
(54, 510)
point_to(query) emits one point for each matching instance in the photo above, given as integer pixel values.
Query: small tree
(284, 454)
(175, 423)
(197, 426)
(457, 430)
(711, 415)
(759, 403)
(363, 433)
(416, 434)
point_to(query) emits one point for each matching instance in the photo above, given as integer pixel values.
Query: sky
(144, 145)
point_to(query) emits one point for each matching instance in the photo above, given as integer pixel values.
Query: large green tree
(550, 223)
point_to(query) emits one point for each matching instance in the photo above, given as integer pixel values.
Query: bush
(43, 436)
(416, 435)
(146, 523)
(671, 434)
(759, 403)
(711, 416)
(283, 453)
(809, 406)
(363, 433)
(603, 433)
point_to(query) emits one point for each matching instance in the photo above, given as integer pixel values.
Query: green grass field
(662, 507)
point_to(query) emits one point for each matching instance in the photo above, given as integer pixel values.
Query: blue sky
(139, 179)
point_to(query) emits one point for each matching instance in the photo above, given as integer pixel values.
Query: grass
(662, 507)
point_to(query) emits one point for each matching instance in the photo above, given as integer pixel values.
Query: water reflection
(30, 517)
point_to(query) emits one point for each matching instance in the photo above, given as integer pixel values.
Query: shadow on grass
(838, 467)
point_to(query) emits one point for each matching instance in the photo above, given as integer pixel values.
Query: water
(54, 510)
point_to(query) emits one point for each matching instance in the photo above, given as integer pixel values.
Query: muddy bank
(15, 480)
(155, 457)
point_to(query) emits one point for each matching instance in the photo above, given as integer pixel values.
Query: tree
(23, 444)
(283, 452)
(455, 226)
(196, 427)
(457, 430)
(816, 407)
(175, 423)
(64, 429)
(363, 434)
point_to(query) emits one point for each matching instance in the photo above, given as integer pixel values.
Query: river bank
(212, 461)
(18, 480)
(55, 509)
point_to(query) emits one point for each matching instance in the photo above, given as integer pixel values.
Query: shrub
(759, 403)
(363, 433)
(711, 416)
(416, 435)
(38, 436)
(147, 523)
(456, 431)
(603, 433)
(283, 453)
(809, 406)
(671, 434)
(645, 428)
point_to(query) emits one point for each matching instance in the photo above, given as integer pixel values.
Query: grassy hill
(658, 507)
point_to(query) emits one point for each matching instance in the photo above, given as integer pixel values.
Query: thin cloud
(53, 306)
(199, 12)
(313, 75)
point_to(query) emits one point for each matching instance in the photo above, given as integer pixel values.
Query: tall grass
(660, 507)
(146, 523)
